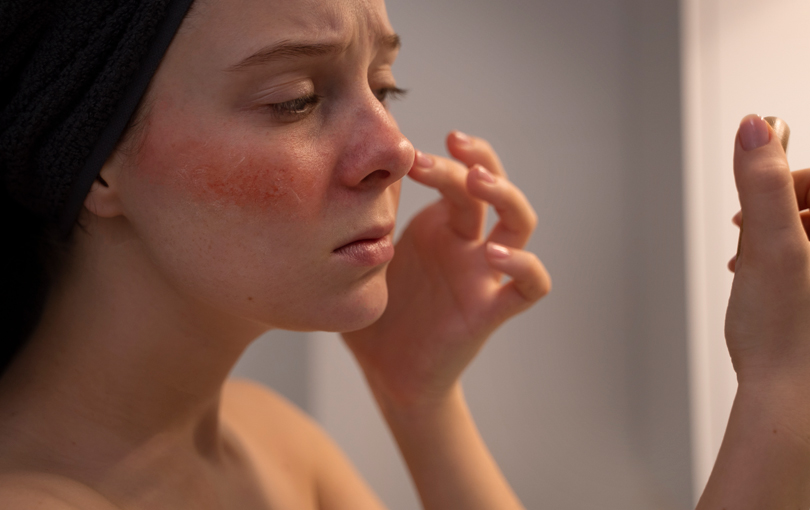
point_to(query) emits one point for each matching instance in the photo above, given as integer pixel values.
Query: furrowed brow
(286, 50)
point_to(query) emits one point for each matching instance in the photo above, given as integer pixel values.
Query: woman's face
(267, 149)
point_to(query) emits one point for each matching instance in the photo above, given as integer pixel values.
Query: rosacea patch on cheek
(226, 173)
(238, 180)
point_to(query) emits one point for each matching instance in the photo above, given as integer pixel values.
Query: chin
(356, 310)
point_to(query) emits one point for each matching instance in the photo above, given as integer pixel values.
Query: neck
(120, 360)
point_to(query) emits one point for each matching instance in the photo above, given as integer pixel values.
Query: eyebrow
(289, 50)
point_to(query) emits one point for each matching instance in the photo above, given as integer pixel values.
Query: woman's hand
(446, 293)
(768, 319)
(764, 461)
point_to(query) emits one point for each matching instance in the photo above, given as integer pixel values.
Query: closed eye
(386, 94)
(296, 108)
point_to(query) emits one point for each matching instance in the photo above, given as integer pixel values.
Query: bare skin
(764, 461)
(260, 193)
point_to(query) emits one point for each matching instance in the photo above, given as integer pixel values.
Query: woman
(256, 188)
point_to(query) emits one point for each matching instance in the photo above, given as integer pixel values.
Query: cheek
(226, 174)
(247, 181)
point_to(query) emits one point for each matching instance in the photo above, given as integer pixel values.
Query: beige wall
(584, 399)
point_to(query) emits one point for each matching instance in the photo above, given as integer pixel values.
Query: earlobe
(103, 200)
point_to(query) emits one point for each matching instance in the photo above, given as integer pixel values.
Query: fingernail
(423, 160)
(498, 251)
(483, 175)
(462, 139)
(754, 133)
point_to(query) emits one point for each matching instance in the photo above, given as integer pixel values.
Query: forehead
(247, 25)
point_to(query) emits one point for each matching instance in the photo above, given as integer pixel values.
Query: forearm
(448, 460)
(764, 461)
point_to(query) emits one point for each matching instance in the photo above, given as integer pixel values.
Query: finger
(517, 218)
(801, 182)
(767, 193)
(805, 216)
(530, 280)
(474, 151)
(467, 213)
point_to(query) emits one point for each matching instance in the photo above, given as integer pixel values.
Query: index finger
(472, 151)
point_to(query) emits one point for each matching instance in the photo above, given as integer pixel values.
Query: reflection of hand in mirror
(764, 461)
(782, 131)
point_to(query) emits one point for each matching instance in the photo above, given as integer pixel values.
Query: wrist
(409, 393)
(764, 461)
(777, 404)
(422, 409)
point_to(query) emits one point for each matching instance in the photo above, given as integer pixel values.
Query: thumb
(766, 189)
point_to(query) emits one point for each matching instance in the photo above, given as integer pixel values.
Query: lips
(371, 247)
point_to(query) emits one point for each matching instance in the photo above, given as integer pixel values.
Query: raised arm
(446, 296)
(764, 461)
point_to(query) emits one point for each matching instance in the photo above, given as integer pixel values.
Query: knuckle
(526, 220)
(531, 219)
(537, 290)
(545, 287)
(767, 174)
(540, 284)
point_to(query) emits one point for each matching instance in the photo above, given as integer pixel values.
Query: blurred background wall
(584, 399)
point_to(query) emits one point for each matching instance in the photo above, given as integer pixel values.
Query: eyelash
(297, 107)
(303, 105)
(390, 94)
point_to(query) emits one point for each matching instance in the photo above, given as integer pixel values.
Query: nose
(377, 153)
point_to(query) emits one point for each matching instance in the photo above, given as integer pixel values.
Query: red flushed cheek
(221, 174)
(239, 181)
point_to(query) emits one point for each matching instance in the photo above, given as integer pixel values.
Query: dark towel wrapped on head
(72, 73)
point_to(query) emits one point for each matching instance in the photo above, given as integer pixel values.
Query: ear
(103, 200)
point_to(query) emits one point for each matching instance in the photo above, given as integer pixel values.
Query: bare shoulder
(281, 440)
(248, 401)
(268, 420)
(291, 442)
(38, 491)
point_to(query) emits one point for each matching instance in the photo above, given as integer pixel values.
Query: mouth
(371, 247)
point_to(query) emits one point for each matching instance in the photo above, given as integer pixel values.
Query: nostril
(377, 175)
